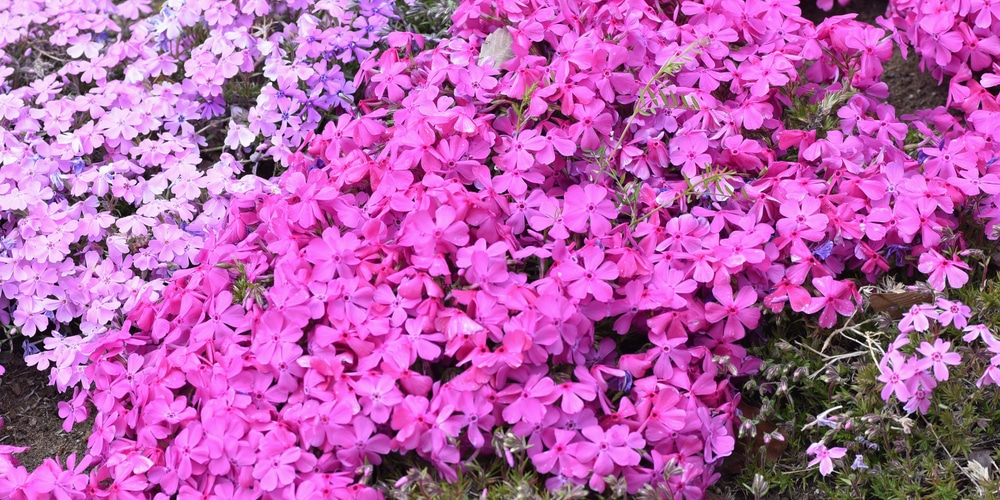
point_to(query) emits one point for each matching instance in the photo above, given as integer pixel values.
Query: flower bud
(759, 486)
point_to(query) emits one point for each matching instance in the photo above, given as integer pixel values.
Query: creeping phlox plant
(934, 338)
(952, 39)
(562, 241)
(123, 134)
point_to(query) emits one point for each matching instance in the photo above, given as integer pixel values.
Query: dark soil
(909, 89)
(28, 406)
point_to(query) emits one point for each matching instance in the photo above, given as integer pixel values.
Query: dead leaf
(497, 47)
(896, 303)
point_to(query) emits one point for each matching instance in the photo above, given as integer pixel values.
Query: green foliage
(489, 477)
(808, 113)
(821, 386)
(246, 289)
(430, 18)
(505, 474)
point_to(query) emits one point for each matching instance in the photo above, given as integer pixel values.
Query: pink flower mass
(572, 246)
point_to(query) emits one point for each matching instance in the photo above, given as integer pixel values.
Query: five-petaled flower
(825, 456)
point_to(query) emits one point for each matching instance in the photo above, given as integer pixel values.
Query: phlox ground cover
(554, 252)
(114, 121)
(953, 39)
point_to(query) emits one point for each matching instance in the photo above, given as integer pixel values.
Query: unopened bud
(759, 486)
(782, 388)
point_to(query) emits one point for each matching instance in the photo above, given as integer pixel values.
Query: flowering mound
(112, 120)
(560, 235)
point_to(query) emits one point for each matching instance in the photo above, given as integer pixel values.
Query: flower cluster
(911, 378)
(124, 132)
(950, 38)
(558, 224)
(910, 374)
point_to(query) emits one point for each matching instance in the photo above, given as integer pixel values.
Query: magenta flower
(378, 396)
(572, 396)
(718, 442)
(427, 233)
(690, 152)
(588, 204)
(278, 470)
(521, 150)
(607, 449)
(739, 312)
(188, 454)
(550, 217)
(590, 278)
(836, 298)
(557, 456)
(593, 122)
(444, 258)
(73, 411)
(527, 402)
(803, 219)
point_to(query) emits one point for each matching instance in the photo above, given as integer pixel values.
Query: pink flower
(919, 401)
(943, 272)
(588, 203)
(895, 372)
(591, 277)
(836, 298)
(953, 312)
(607, 449)
(918, 318)
(938, 357)
(976, 331)
(739, 312)
(824, 456)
